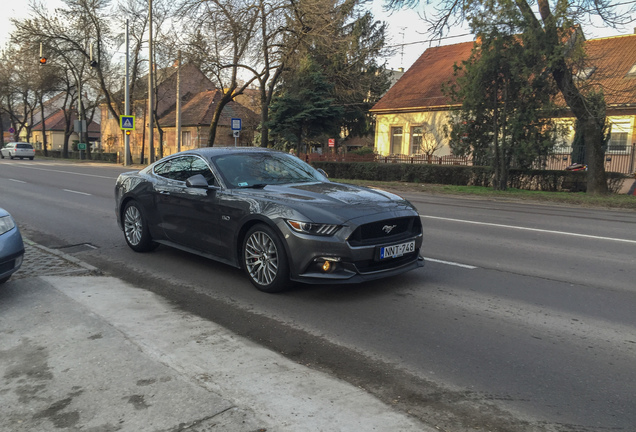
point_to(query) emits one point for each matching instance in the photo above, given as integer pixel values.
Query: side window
(182, 168)
(163, 169)
(200, 167)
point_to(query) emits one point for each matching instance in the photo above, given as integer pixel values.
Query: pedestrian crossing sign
(126, 122)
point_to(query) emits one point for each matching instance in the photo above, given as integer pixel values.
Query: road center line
(532, 229)
(466, 266)
(77, 192)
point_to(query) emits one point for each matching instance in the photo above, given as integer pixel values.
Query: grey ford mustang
(269, 213)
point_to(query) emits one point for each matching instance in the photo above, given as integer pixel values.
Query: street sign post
(127, 122)
(236, 129)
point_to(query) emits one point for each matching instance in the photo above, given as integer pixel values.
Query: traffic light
(42, 56)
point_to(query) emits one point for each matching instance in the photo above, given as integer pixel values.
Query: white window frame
(624, 127)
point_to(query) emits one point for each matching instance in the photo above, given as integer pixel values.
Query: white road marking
(451, 263)
(532, 229)
(17, 181)
(76, 192)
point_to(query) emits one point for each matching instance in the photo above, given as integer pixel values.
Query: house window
(620, 136)
(186, 139)
(563, 136)
(416, 139)
(396, 140)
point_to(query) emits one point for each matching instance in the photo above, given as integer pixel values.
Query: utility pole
(179, 102)
(127, 158)
(151, 144)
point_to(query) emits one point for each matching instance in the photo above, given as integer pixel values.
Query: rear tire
(136, 229)
(264, 259)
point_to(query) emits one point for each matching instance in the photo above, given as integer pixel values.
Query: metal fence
(616, 160)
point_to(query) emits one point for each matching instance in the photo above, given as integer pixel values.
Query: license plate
(397, 250)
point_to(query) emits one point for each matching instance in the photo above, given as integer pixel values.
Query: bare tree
(225, 31)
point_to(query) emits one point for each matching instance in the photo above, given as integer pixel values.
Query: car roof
(215, 151)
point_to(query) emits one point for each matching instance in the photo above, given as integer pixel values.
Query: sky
(407, 31)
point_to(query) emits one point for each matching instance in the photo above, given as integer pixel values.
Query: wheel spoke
(261, 258)
(133, 225)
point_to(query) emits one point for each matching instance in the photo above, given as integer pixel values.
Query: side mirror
(197, 181)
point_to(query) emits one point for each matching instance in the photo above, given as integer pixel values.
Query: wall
(434, 121)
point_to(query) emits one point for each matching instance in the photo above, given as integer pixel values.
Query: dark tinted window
(24, 146)
(184, 167)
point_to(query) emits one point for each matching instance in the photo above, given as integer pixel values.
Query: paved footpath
(85, 352)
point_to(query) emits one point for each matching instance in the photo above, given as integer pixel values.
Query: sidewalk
(79, 351)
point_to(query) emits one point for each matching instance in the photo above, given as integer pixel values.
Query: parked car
(11, 246)
(271, 214)
(17, 150)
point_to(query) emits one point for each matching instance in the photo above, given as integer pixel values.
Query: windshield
(264, 168)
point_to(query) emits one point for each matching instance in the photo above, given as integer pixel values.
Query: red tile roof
(421, 86)
(57, 122)
(614, 57)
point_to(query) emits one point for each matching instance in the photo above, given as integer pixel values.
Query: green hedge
(544, 180)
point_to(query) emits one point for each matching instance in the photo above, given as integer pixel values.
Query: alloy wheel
(261, 258)
(133, 225)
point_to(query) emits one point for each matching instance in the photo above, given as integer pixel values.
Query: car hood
(343, 201)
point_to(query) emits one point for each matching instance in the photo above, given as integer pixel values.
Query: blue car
(11, 246)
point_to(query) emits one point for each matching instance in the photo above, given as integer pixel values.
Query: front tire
(136, 229)
(264, 259)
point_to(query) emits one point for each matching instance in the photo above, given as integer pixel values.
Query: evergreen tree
(304, 109)
(504, 121)
(343, 45)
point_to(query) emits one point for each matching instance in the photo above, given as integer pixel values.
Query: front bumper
(350, 261)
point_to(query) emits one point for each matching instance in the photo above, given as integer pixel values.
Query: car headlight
(313, 228)
(6, 224)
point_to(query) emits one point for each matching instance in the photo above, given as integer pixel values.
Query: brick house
(198, 100)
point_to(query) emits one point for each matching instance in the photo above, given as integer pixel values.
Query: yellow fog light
(326, 266)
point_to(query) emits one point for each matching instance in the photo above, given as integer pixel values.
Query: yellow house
(55, 127)
(412, 116)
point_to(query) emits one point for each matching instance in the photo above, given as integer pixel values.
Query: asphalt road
(522, 319)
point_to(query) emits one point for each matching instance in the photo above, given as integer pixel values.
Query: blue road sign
(126, 122)
(236, 124)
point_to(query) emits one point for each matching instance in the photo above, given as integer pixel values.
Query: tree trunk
(218, 109)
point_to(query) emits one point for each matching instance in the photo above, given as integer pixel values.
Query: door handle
(163, 192)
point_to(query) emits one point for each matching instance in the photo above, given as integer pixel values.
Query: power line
(429, 40)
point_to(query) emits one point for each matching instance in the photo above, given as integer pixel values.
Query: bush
(539, 180)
